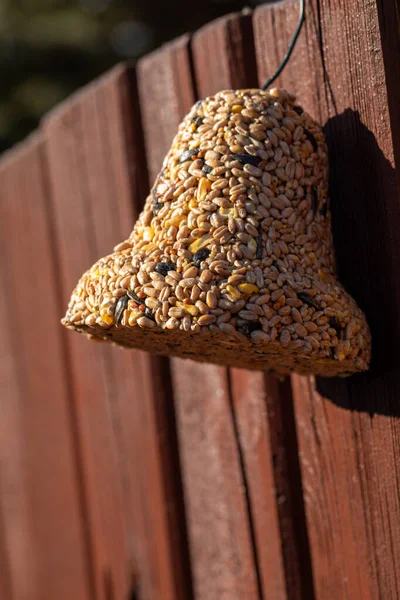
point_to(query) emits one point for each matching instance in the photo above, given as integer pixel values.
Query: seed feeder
(231, 260)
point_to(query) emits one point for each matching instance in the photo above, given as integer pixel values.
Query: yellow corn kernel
(237, 108)
(229, 212)
(194, 144)
(203, 189)
(225, 212)
(233, 291)
(190, 309)
(175, 220)
(99, 272)
(323, 275)
(150, 246)
(193, 127)
(133, 317)
(107, 318)
(193, 203)
(148, 234)
(248, 288)
(200, 243)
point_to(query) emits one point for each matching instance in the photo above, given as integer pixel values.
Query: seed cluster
(231, 259)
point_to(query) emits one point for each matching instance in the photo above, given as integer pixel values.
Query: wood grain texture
(222, 563)
(223, 55)
(71, 184)
(349, 432)
(42, 532)
(251, 413)
(270, 502)
(263, 408)
(123, 420)
(221, 549)
(165, 94)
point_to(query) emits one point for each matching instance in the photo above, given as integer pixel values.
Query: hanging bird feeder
(231, 260)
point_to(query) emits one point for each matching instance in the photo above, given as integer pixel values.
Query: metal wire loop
(290, 49)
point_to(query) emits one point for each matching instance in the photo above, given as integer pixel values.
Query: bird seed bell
(231, 260)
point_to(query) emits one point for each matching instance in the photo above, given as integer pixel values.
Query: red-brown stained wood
(135, 513)
(165, 94)
(42, 532)
(75, 232)
(272, 500)
(222, 563)
(264, 416)
(223, 55)
(349, 435)
(222, 558)
(251, 411)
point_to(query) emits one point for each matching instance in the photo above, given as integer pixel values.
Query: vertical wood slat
(229, 39)
(208, 430)
(275, 501)
(222, 562)
(98, 177)
(165, 80)
(348, 456)
(66, 135)
(42, 525)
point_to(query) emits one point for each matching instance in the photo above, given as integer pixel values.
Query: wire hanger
(290, 49)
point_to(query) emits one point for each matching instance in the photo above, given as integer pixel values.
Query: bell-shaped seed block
(231, 261)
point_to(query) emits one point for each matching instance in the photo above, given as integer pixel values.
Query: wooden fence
(124, 475)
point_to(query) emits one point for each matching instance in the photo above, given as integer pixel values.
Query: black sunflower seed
(334, 323)
(120, 309)
(198, 104)
(312, 139)
(149, 314)
(133, 297)
(197, 121)
(314, 199)
(324, 209)
(206, 168)
(164, 267)
(187, 155)
(247, 159)
(156, 207)
(298, 109)
(247, 328)
(200, 255)
(309, 301)
(259, 252)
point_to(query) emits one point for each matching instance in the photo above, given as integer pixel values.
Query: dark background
(48, 48)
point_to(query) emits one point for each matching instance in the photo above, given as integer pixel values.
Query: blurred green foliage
(49, 48)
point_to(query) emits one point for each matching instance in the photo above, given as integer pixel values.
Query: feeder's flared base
(213, 347)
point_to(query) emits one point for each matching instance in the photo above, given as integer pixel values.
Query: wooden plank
(264, 414)
(98, 136)
(44, 552)
(222, 555)
(160, 549)
(229, 39)
(222, 563)
(73, 218)
(220, 52)
(348, 457)
(223, 55)
(269, 466)
(165, 80)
